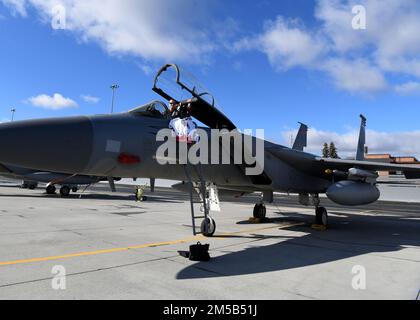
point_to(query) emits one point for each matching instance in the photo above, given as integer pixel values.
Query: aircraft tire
(260, 211)
(51, 189)
(208, 227)
(65, 191)
(321, 216)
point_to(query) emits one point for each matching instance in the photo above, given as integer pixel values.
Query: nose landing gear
(208, 227)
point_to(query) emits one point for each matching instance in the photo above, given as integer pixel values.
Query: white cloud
(395, 143)
(356, 76)
(286, 44)
(164, 30)
(408, 88)
(160, 29)
(362, 61)
(55, 102)
(391, 38)
(90, 99)
(16, 6)
(147, 70)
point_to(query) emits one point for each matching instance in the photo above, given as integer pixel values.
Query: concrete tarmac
(110, 247)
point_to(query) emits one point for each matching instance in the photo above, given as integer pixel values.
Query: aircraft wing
(410, 171)
(319, 166)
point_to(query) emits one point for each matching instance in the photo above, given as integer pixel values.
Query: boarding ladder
(201, 189)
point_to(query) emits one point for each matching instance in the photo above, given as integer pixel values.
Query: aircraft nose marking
(126, 158)
(113, 146)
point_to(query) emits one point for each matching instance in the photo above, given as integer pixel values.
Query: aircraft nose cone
(59, 145)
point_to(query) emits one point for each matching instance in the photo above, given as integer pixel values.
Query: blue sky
(268, 63)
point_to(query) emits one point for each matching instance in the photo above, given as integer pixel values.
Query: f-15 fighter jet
(126, 145)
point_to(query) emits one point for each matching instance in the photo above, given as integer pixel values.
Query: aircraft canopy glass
(155, 109)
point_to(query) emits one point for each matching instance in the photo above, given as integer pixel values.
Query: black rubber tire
(65, 191)
(24, 186)
(260, 211)
(51, 189)
(74, 189)
(321, 216)
(208, 227)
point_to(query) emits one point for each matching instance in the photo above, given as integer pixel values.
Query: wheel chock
(319, 227)
(184, 254)
(258, 220)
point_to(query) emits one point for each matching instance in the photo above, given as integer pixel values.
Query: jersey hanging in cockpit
(184, 128)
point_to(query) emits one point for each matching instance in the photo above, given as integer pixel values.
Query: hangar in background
(388, 158)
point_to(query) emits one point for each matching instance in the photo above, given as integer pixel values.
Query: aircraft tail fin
(302, 138)
(362, 139)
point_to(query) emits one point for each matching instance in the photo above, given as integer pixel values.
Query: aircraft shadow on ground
(349, 236)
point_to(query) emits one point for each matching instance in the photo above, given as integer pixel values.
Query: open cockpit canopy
(174, 83)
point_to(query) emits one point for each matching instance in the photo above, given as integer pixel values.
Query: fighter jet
(67, 182)
(125, 145)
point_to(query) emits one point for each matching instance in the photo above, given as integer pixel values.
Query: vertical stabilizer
(362, 140)
(302, 138)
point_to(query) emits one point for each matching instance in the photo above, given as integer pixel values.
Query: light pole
(13, 113)
(113, 87)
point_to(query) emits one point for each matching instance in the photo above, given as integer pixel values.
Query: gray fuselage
(92, 146)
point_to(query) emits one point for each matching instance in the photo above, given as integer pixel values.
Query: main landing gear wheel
(260, 211)
(208, 227)
(65, 191)
(321, 216)
(51, 190)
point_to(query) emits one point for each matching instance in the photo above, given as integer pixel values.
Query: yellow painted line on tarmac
(98, 252)
(142, 246)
